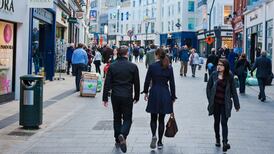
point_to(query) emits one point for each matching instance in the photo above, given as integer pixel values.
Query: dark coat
(241, 67)
(264, 67)
(184, 55)
(212, 58)
(69, 53)
(121, 77)
(160, 99)
(230, 92)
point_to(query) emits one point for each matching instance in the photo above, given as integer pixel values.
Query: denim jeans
(78, 68)
(122, 115)
(219, 116)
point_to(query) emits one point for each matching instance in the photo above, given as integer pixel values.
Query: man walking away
(121, 78)
(211, 63)
(70, 50)
(150, 56)
(184, 57)
(264, 71)
(79, 60)
(193, 61)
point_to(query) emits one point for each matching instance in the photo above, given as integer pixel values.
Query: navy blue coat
(160, 98)
(264, 67)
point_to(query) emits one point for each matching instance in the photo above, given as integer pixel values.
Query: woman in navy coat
(160, 98)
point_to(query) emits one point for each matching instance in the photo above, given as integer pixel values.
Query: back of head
(122, 51)
(80, 45)
(263, 53)
(161, 54)
(152, 46)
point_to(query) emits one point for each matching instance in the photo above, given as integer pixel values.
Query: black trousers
(122, 115)
(242, 78)
(161, 126)
(97, 64)
(69, 65)
(262, 83)
(219, 116)
(78, 68)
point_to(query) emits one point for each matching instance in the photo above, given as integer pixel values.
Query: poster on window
(92, 15)
(6, 57)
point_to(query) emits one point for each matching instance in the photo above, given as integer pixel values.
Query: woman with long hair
(241, 71)
(220, 89)
(160, 98)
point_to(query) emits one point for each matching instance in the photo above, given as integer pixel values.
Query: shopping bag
(205, 77)
(171, 127)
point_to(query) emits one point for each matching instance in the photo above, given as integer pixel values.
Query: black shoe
(218, 143)
(160, 145)
(123, 144)
(184, 74)
(181, 74)
(263, 99)
(259, 97)
(226, 146)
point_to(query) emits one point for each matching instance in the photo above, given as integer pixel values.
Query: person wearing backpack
(241, 71)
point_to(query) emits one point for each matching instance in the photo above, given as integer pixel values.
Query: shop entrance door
(254, 40)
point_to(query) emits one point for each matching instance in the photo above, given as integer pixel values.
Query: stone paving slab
(250, 130)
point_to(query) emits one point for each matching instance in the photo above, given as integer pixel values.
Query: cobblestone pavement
(82, 125)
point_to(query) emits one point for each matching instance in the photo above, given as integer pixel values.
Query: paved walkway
(74, 124)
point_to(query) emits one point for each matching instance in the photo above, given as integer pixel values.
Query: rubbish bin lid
(31, 77)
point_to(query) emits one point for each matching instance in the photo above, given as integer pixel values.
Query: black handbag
(171, 127)
(205, 77)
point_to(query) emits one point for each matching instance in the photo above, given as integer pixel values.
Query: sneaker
(123, 144)
(160, 145)
(153, 142)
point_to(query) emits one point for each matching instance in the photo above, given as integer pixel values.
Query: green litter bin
(31, 101)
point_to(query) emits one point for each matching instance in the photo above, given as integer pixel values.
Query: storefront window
(269, 39)
(6, 57)
(227, 41)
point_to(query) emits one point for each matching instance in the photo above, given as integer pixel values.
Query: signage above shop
(72, 20)
(6, 5)
(43, 14)
(253, 17)
(79, 14)
(40, 3)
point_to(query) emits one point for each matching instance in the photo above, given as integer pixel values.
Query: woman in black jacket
(220, 89)
(241, 71)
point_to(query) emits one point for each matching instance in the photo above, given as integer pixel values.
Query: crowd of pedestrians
(122, 83)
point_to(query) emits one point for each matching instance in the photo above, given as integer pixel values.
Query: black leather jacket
(121, 77)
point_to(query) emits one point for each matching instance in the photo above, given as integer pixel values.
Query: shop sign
(64, 17)
(130, 33)
(209, 40)
(43, 15)
(6, 5)
(79, 14)
(40, 3)
(92, 15)
(72, 20)
(253, 17)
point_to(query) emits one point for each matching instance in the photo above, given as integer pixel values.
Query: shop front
(7, 59)
(42, 43)
(14, 28)
(179, 38)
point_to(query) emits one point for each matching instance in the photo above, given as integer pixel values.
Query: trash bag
(99, 82)
(252, 81)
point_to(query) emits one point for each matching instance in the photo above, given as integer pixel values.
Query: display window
(6, 57)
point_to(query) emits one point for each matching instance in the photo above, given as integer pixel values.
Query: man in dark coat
(264, 71)
(121, 79)
(213, 59)
(70, 50)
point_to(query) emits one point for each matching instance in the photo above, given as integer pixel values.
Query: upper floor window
(133, 3)
(127, 14)
(191, 6)
(227, 12)
(179, 7)
(191, 23)
(122, 16)
(152, 27)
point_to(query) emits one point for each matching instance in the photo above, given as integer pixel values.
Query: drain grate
(14, 133)
(104, 125)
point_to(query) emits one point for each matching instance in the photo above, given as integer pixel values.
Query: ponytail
(164, 60)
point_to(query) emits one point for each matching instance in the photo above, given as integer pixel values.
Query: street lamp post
(146, 26)
(209, 25)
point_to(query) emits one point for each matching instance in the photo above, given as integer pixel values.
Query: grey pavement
(75, 124)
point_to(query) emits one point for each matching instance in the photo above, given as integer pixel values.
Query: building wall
(20, 16)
